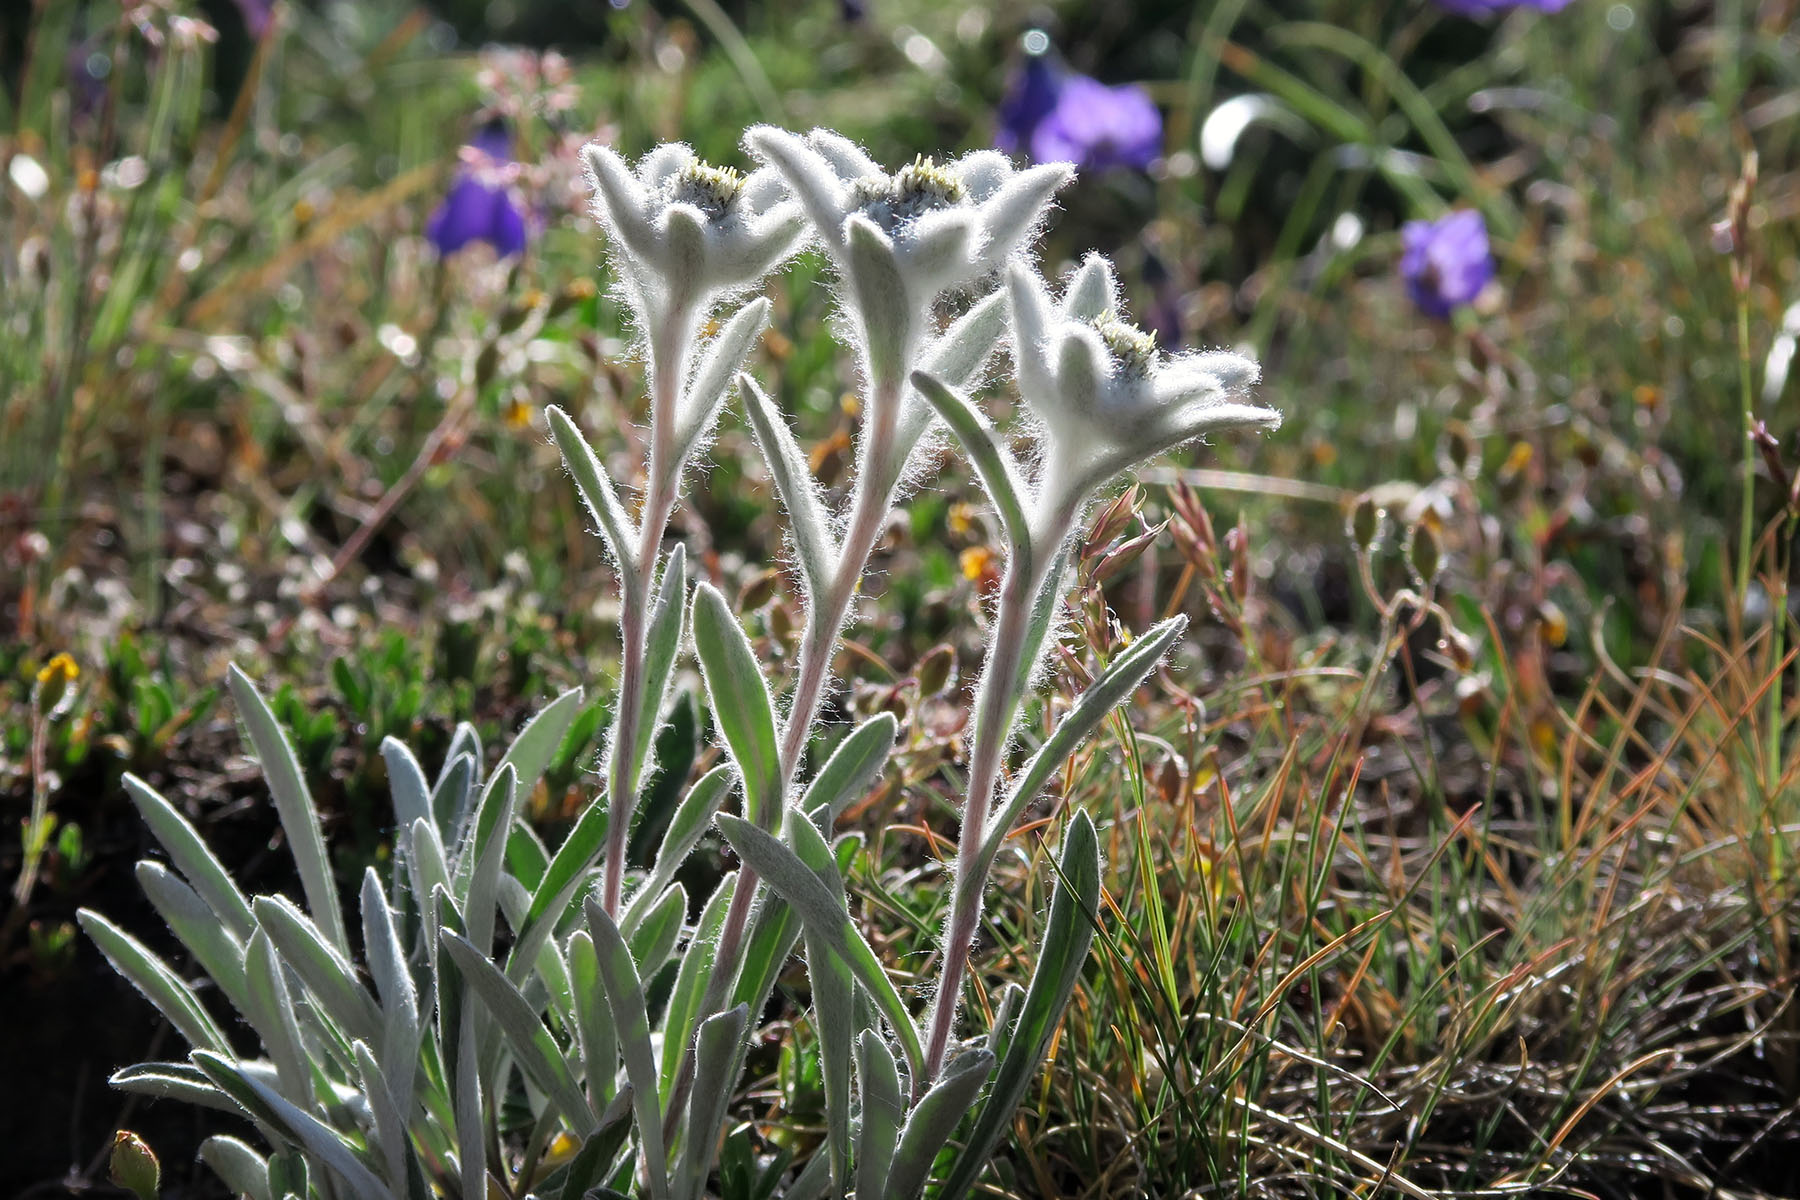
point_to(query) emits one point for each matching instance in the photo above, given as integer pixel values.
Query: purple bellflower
(478, 207)
(1097, 127)
(1446, 262)
(257, 15)
(1483, 8)
(1053, 115)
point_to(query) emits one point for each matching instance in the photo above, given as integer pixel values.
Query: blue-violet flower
(479, 205)
(1446, 262)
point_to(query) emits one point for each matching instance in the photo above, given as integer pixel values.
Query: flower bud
(134, 1166)
(935, 670)
(1423, 554)
(1366, 520)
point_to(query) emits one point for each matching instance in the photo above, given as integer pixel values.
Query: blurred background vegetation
(1490, 882)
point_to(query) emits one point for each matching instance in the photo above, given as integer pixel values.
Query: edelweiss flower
(687, 231)
(901, 240)
(1106, 397)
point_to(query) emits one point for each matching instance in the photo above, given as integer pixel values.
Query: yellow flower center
(1134, 348)
(712, 190)
(920, 187)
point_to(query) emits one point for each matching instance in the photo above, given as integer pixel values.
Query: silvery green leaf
(1043, 616)
(693, 816)
(219, 954)
(706, 390)
(740, 702)
(425, 863)
(538, 741)
(1006, 1011)
(1074, 908)
(717, 1048)
(999, 473)
(270, 1011)
(691, 978)
(662, 644)
(173, 1081)
(852, 768)
(882, 301)
(533, 1048)
(593, 1019)
(956, 357)
(934, 1118)
(156, 980)
(389, 1136)
(243, 1171)
(812, 1183)
(631, 1023)
(293, 804)
(834, 1002)
(883, 1109)
(326, 973)
(454, 794)
(651, 928)
(462, 1069)
(406, 782)
(288, 1175)
(1121, 677)
(485, 854)
(615, 528)
(527, 858)
(815, 547)
(192, 857)
(561, 881)
(305, 1130)
(819, 910)
(394, 985)
(465, 739)
(586, 1174)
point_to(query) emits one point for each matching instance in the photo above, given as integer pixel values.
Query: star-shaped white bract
(1107, 399)
(901, 240)
(688, 233)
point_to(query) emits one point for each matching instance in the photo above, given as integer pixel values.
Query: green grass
(1470, 891)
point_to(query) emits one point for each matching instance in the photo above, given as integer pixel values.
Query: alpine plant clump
(495, 1017)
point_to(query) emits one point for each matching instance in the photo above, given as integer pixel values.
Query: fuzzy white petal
(983, 173)
(848, 159)
(1093, 291)
(619, 201)
(1011, 215)
(936, 249)
(810, 178)
(657, 167)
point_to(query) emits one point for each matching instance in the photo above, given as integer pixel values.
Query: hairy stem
(996, 704)
(668, 346)
(825, 622)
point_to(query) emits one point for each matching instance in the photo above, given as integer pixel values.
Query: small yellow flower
(59, 672)
(977, 564)
(961, 518)
(518, 413)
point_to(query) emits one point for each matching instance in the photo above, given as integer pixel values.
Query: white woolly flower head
(687, 232)
(902, 239)
(1105, 395)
